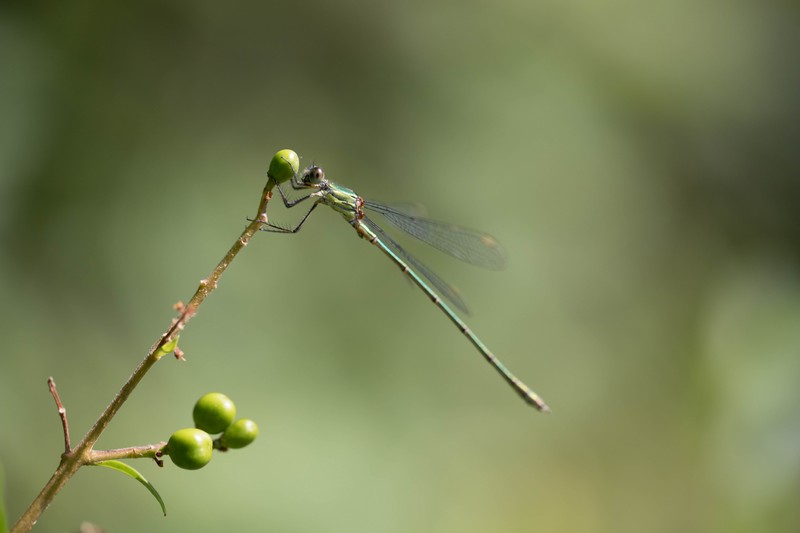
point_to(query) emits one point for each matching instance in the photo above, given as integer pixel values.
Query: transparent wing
(446, 290)
(409, 209)
(471, 246)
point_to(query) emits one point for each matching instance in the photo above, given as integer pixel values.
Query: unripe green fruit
(284, 165)
(239, 434)
(190, 448)
(214, 412)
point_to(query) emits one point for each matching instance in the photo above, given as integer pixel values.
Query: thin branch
(82, 453)
(149, 451)
(62, 412)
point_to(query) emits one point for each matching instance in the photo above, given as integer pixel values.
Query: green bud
(190, 448)
(239, 434)
(214, 412)
(168, 348)
(284, 165)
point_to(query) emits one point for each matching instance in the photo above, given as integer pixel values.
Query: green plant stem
(82, 453)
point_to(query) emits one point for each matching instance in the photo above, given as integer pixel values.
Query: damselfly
(463, 243)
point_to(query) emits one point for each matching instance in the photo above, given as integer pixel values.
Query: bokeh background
(638, 160)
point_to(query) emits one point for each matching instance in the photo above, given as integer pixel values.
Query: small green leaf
(129, 470)
(168, 348)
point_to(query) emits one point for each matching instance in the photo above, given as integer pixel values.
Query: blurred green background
(637, 159)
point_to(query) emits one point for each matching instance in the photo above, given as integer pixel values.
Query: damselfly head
(313, 175)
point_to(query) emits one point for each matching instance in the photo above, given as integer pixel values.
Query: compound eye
(313, 175)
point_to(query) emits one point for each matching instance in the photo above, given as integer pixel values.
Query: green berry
(190, 448)
(214, 412)
(284, 165)
(239, 434)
